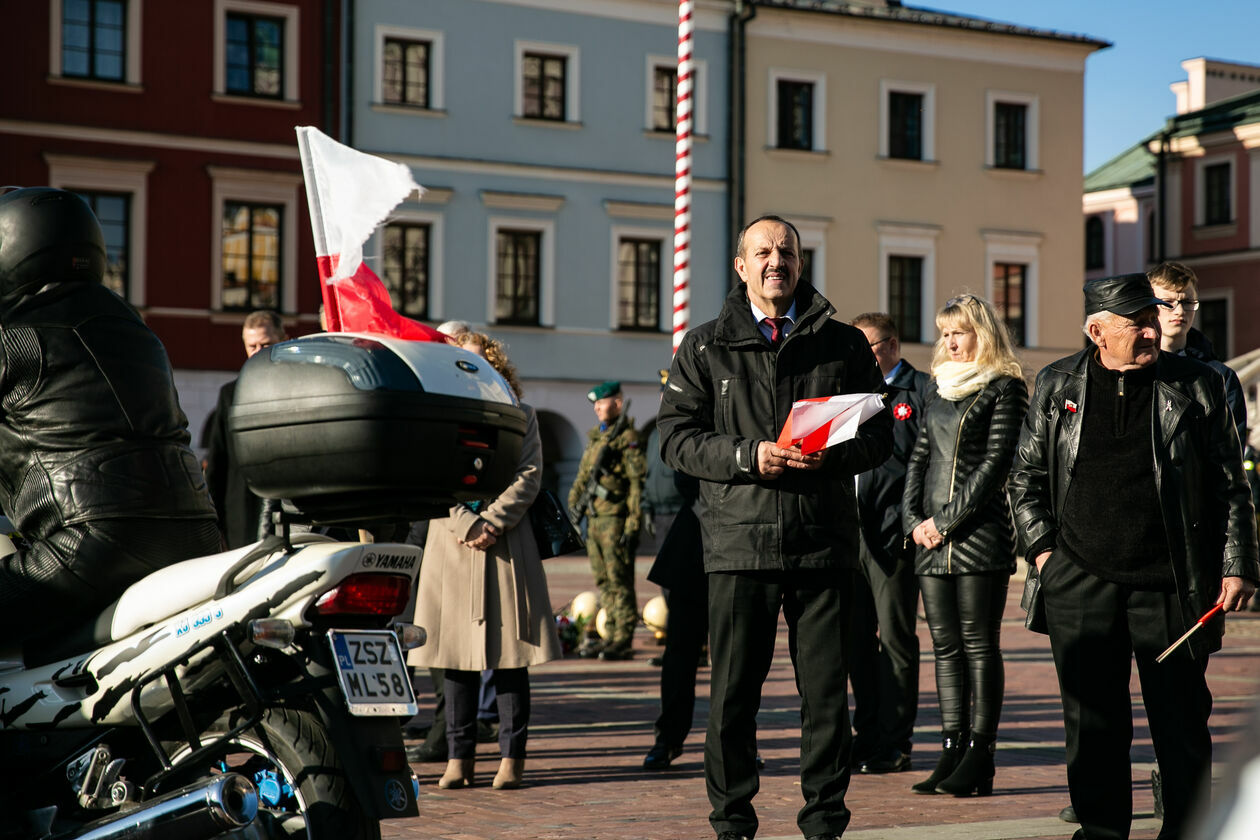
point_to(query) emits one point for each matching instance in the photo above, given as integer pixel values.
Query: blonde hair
(496, 354)
(994, 349)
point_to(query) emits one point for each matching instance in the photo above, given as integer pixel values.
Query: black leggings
(512, 697)
(964, 616)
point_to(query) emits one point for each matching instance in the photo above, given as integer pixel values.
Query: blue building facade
(542, 131)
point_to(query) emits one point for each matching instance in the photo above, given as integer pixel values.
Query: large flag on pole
(350, 194)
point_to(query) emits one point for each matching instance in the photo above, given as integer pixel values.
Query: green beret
(610, 388)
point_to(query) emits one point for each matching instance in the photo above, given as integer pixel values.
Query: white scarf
(955, 380)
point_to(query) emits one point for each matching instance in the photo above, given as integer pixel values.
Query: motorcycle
(258, 693)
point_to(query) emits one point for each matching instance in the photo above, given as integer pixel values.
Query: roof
(892, 10)
(1134, 167)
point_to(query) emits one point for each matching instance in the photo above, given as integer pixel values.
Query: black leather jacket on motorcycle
(729, 390)
(95, 468)
(1203, 493)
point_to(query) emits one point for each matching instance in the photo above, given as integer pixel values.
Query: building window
(1213, 322)
(255, 56)
(1152, 238)
(543, 81)
(1008, 298)
(1217, 205)
(905, 125)
(406, 72)
(1095, 256)
(93, 39)
(1010, 121)
(518, 269)
(905, 296)
(251, 255)
(405, 267)
(795, 114)
(807, 265)
(665, 98)
(639, 284)
(113, 211)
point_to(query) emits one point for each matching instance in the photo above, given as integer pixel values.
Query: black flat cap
(1123, 294)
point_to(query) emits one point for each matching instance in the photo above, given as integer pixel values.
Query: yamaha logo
(372, 560)
(395, 795)
(466, 366)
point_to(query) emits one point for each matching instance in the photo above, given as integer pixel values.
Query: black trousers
(743, 622)
(1097, 629)
(686, 630)
(884, 666)
(463, 691)
(964, 616)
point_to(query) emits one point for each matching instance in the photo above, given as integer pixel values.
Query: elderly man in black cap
(1135, 517)
(609, 489)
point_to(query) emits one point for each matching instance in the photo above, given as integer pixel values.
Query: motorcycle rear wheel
(293, 747)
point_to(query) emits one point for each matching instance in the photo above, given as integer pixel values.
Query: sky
(1126, 85)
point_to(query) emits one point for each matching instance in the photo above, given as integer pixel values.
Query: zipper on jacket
(953, 474)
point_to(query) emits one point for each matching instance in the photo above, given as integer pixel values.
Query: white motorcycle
(258, 693)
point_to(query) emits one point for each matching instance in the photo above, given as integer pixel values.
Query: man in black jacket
(884, 670)
(95, 468)
(1129, 496)
(779, 527)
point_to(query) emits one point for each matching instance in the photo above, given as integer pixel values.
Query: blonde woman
(483, 598)
(955, 509)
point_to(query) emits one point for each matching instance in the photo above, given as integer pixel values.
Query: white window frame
(819, 80)
(572, 78)
(1025, 248)
(131, 67)
(699, 97)
(911, 241)
(121, 176)
(292, 20)
(410, 215)
(814, 236)
(1200, 187)
(1226, 294)
(665, 285)
(927, 90)
(437, 62)
(254, 185)
(546, 265)
(1032, 127)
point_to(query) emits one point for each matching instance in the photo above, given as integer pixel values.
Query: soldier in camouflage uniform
(615, 518)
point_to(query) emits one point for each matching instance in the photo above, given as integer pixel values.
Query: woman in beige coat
(483, 600)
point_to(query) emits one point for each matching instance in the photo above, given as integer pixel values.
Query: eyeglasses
(1186, 304)
(959, 300)
(875, 344)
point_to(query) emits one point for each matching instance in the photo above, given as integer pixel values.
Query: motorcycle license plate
(372, 673)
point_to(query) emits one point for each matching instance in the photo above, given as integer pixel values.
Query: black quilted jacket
(957, 474)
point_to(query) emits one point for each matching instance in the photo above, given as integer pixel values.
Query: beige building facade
(923, 156)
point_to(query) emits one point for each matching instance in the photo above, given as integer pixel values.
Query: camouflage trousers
(612, 564)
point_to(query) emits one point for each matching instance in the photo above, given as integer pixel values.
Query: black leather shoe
(616, 654)
(733, 835)
(1068, 814)
(826, 836)
(660, 756)
(420, 753)
(886, 761)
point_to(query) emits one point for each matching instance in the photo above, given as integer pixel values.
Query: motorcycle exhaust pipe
(199, 811)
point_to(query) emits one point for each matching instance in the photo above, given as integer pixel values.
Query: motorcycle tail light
(368, 593)
(271, 632)
(391, 759)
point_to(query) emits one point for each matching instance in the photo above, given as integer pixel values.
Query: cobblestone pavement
(592, 725)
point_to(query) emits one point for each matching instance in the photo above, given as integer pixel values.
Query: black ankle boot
(951, 754)
(975, 771)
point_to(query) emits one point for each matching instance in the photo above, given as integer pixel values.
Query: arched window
(1094, 255)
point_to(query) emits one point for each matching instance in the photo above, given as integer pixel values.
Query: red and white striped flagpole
(682, 173)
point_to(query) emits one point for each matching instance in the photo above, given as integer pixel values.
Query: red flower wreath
(902, 411)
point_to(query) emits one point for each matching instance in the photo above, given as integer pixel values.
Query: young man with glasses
(1175, 284)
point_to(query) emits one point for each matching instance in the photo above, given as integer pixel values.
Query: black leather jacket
(729, 390)
(1204, 497)
(91, 427)
(957, 474)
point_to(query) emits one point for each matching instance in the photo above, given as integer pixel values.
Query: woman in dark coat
(956, 510)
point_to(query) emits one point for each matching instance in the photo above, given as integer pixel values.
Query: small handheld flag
(820, 422)
(1190, 632)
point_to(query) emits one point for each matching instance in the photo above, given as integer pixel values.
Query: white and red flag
(820, 422)
(350, 194)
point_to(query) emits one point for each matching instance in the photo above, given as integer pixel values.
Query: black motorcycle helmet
(47, 236)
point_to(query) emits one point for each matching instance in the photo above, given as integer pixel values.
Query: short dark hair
(264, 319)
(739, 241)
(881, 321)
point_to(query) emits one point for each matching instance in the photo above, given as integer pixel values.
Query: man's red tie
(776, 329)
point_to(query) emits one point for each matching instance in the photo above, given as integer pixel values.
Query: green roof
(1134, 167)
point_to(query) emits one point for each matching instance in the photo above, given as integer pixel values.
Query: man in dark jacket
(1129, 496)
(884, 670)
(240, 510)
(779, 527)
(95, 468)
